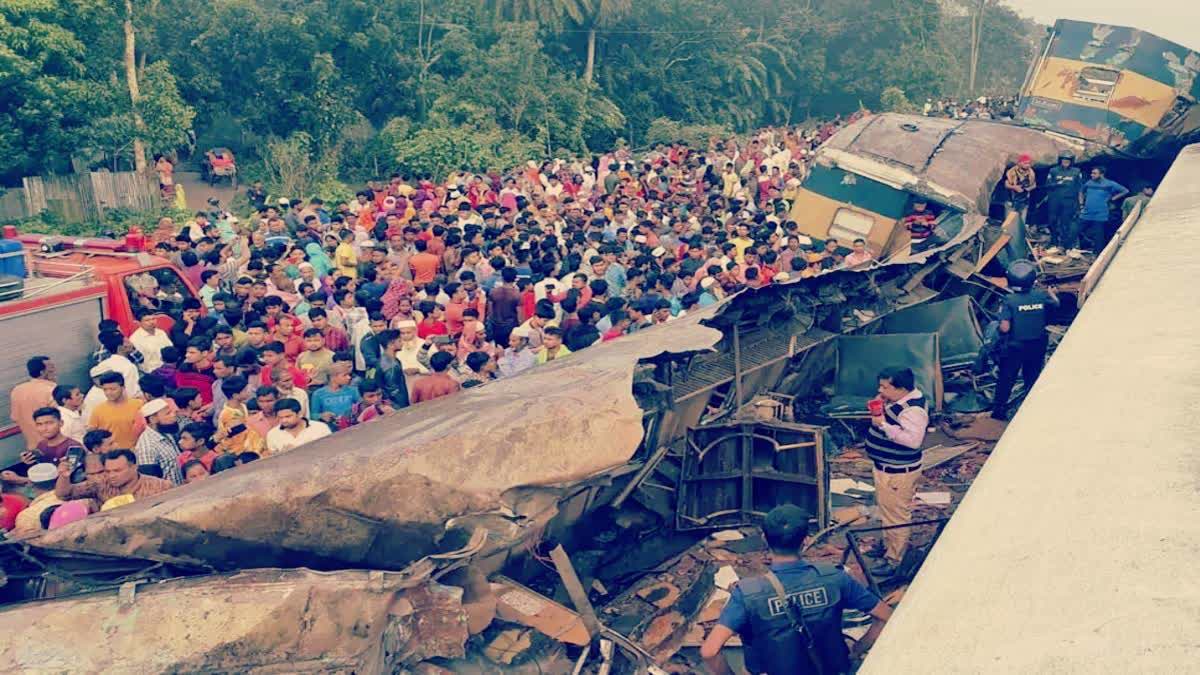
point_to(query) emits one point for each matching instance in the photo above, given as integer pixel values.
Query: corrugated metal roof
(964, 158)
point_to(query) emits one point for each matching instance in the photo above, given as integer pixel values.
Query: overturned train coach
(868, 175)
(465, 486)
(1114, 90)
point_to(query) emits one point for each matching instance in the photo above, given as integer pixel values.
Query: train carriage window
(849, 225)
(1096, 84)
(1177, 112)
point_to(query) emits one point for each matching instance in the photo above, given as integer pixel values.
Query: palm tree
(600, 14)
(590, 15)
(547, 13)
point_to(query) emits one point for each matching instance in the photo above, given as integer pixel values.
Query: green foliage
(663, 130)
(295, 166)
(331, 190)
(893, 99)
(115, 224)
(50, 223)
(53, 56)
(166, 116)
(340, 87)
(438, 151)
(1009, 43)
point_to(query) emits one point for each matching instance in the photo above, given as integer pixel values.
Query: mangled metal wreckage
(459, 487)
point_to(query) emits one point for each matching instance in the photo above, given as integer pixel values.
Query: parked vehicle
(219, 163)
(53, 293)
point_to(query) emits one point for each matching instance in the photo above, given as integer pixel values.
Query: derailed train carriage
(866, 178)
(1114, 90)
(462, 487)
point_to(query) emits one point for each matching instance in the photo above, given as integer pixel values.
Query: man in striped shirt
(894, 446)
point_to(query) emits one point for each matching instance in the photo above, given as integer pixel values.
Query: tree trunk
(591, 56)
(139, 147)
(976, 41)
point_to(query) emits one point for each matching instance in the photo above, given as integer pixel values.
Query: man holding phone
(899, 419)
(54, 444)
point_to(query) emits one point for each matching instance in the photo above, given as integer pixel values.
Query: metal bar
(42, 290)
(785, 478)
(822, 485)
(737, 365)
(852, 547)
(642, 475)
(1035, 67)
(881, 528)
(747, 473)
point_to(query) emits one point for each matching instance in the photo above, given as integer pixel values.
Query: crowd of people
(314, 317)
(984, 107)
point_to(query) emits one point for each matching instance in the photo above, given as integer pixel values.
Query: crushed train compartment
(867, 176)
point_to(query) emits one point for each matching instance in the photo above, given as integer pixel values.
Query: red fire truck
(53, 293)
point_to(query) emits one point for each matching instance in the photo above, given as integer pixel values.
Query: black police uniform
(772, 643)
(1064, 185)
(1026, 312)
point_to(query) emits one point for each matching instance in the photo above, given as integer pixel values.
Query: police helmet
(1021, 275)
(1067, 156)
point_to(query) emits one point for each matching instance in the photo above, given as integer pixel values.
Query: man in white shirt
(287, 389)
(899, 420)
(95, 395)
(149, 339)
(118, 346)
(69, 401)
(293, 430)
(410, 350)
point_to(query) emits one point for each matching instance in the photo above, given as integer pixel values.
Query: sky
(1175, 20)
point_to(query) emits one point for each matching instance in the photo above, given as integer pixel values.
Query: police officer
(790, 619)
(1023, 324)
(1064, 182)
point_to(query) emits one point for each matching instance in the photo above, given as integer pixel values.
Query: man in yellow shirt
(233, 436)
(345, 258)
(741, 243)
(118, 414)
(731, 182)
(552, 347)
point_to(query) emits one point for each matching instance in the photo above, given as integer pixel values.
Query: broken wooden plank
(527, 607)
(992, 251)
(940, 454)
(575, 590)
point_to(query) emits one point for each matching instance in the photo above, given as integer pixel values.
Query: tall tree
(600, 14)
(131, 78)
(547, 13)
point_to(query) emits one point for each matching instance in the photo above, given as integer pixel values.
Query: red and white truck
(53, 293)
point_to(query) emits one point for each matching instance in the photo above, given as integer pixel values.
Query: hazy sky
(1175, 20)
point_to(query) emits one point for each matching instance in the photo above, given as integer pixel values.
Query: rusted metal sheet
(379, 495)
(260, 621)
(959, 162)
